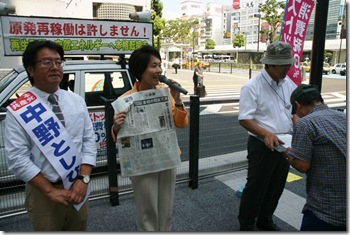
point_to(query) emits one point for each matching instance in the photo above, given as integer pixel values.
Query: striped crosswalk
(332, 99)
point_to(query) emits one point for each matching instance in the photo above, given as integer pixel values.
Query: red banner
(296, 20)
(235, 4)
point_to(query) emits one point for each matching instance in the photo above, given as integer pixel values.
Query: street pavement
(212, 207)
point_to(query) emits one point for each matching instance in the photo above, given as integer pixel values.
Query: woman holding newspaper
(154, 191)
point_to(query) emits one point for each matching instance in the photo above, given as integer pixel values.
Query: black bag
(200, 91)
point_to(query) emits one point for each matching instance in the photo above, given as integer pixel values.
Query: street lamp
(194, 36)
(340, 37)
(192, 51)
(250, 61)
(258, 16)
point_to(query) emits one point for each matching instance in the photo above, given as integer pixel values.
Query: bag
(200, 91)
(200, 81)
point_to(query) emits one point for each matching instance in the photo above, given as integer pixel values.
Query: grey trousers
(46, 215)
(154, 196)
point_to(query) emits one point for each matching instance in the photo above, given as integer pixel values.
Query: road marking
(293, 177)
(289, 206)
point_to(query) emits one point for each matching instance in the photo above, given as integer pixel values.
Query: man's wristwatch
(84, 178)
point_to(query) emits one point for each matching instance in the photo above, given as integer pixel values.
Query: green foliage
(238, 40)
(157, 7)
(210, 44)
(181, 30)
(272, 11)
(328, 55)
(156, 18)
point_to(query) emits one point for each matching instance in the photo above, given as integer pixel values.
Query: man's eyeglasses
(49, 63)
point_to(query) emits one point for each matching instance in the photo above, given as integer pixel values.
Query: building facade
(243, 17)
(30, 8)
(105, 9)
(84, 9)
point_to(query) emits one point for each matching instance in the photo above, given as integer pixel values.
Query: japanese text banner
(76, 36)
(296, 20)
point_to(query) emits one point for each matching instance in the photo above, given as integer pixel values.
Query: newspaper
(147, 141)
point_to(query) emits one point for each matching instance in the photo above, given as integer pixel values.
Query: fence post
(111, 154)
(194, 141)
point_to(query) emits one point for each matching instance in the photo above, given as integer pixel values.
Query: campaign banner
(51, 137)
(76, 36)
(296, 19)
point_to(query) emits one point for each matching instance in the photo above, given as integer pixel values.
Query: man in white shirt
(50, 205)
(176, 64)
(265, 111)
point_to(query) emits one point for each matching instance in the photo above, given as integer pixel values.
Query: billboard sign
(296, 20)
(76, 36)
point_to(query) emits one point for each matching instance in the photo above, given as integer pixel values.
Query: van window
(67, 82)
(95, 84)
(21, 90)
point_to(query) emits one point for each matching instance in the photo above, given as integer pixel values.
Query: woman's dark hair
(140, 58)
(29, 56)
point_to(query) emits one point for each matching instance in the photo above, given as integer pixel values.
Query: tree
(272, 12)
(181, 30)
(328, 56)
(157, 20)
(238, 40)
(210, 44)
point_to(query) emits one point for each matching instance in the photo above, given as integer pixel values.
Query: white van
(86, 78)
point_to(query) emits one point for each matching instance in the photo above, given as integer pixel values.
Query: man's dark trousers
(267, 174)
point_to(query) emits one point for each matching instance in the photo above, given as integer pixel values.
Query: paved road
(330, 83)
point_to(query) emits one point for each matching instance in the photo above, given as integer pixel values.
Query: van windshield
(5, 81)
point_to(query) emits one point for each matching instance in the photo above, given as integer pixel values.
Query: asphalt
(212, 207)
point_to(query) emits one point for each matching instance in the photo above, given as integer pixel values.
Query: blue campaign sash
(48, 133)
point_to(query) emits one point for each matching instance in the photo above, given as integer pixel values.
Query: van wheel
(334, 72)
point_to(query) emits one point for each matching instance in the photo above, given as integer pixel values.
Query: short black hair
(140, 58)
(29, 56)
(305, 95)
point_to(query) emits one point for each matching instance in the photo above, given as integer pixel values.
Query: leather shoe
(267, 226)
(246, 228)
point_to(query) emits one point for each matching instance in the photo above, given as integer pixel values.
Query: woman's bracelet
(179, 105)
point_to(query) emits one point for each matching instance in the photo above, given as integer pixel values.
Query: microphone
(165, 80)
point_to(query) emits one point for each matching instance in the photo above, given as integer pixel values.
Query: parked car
(86, 78)
(338, 67)
(326, 68)
(343, 72)
(187, 64)
(306, 65)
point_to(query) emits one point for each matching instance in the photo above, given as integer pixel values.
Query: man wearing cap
(265, 111)
(319, 150)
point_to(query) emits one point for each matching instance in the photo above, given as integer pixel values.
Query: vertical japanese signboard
(77, 36)
(296, 20)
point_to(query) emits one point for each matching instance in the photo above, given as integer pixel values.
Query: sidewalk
(212, 207)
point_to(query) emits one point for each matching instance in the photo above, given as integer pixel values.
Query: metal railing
(207, 144)
(201, 143)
